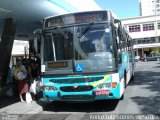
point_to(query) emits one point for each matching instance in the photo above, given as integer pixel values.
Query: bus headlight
(104, 85)
(49, 88)
(46, 88)
(53, 88)
(101, 86)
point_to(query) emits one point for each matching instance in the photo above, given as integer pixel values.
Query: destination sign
(88, 17)
(82, 17)
(63, 64)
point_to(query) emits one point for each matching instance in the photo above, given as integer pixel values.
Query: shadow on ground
(6, 101)
(149, 80)
(97, 106)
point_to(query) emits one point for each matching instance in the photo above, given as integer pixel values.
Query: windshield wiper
(62, 33)
(85, 29)
(57, 28)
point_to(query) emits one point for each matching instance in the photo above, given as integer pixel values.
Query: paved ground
(12, 107)
(142, 96)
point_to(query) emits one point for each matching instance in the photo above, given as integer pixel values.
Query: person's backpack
(21, 75)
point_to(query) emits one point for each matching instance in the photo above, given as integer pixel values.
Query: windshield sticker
(79, 67)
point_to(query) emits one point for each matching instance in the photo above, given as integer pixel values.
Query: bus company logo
(75, 85)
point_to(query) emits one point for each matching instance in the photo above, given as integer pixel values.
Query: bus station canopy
(29, 14)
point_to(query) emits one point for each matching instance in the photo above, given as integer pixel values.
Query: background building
(20, 50)
(145, 32)
(145, 29)
(149, 7)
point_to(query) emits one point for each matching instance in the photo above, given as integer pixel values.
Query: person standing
(32, 70)
(20, 74)
(33, 76)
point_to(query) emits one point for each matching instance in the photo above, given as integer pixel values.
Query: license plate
(102, 92)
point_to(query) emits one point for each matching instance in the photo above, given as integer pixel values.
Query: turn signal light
(114, 84)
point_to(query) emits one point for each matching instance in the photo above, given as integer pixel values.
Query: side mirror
(122, 34)
(38, 31)
(116, 21)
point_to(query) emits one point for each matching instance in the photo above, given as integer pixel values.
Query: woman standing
(20, 74)
(33, 75)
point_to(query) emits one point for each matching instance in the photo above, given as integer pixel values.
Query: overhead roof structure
(29, 14)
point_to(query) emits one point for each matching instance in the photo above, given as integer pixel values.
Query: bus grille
(78, 89)
(76, 80)
(77, 97)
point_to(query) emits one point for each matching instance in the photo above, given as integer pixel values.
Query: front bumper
(80, 96)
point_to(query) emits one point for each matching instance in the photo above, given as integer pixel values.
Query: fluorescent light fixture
(63, 4)
(4, 10)
(84, 5)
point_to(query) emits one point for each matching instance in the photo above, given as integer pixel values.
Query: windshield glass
(56, 46)
(58, 50)
(95, 42)
(93, 50)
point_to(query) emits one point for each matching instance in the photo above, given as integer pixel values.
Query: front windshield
(96, 41)
(91, 49)
(56, 46)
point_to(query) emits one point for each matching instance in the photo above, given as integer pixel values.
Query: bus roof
(79, 17)
(80, 12)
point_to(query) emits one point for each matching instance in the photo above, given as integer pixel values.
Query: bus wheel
(125, 78)
(122, 97)
(132, 77)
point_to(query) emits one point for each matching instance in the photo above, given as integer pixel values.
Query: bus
(85, 56)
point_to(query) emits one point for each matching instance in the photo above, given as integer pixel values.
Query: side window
(124, 45)
(119, 45)
(122, 38)
(48, 46)
(116, 39)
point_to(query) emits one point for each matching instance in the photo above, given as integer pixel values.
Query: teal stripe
(72, 77)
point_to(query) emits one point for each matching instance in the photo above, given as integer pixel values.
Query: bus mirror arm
(73, 65)
(117, 21)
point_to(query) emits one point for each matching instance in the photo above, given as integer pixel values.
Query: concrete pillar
(142, 52)
(137, 52)
(6, 45)
(156, 39)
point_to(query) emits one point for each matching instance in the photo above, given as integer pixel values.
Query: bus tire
(122, 97)
(133, 73)
(125, 80)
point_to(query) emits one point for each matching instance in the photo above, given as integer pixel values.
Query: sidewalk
(12, 105)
